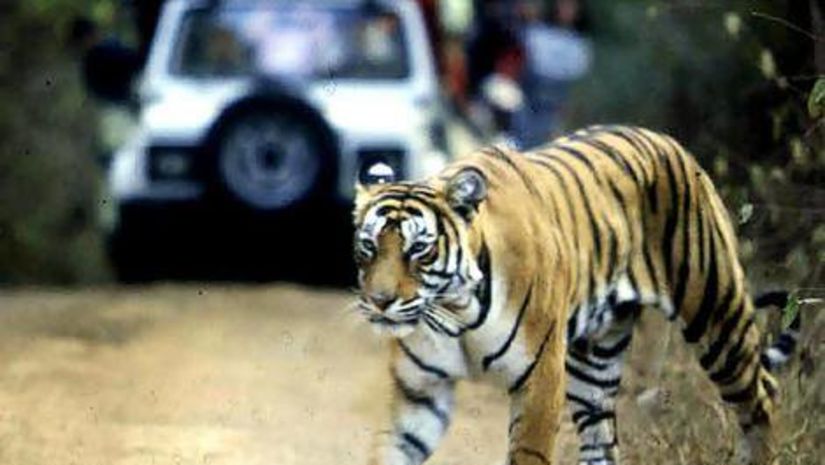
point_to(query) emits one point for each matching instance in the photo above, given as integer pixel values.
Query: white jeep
(268, 106)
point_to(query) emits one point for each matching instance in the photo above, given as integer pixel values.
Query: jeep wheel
(270, 160)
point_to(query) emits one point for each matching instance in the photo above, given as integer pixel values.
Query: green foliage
(816, 101)
(49, 183)
(790, 312)
(735, 82)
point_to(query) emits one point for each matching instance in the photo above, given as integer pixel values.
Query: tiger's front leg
(536, 405)
(422, 404)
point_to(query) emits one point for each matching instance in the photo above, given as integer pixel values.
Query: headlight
(171, 163)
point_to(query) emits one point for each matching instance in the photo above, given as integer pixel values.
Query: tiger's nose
(382, 300)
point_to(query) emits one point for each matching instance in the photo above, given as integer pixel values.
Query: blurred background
(176, 179)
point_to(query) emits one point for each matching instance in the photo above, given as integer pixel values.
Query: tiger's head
(417, 250)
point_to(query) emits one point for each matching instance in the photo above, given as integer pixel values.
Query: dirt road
(274, 375)
(204, 375)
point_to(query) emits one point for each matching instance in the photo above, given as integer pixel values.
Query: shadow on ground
(204, 243)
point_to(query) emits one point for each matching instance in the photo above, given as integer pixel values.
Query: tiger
(530, 269)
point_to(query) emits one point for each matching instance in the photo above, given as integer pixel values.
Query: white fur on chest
(490, 339)
(480, 353)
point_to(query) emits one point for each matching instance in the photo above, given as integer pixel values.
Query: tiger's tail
(780, 352)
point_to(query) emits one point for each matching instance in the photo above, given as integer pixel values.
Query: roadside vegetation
(734, 81)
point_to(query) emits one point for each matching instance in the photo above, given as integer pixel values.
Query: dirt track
(283, 375)
(204, 375)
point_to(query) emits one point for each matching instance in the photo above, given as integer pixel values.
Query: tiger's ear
(465, 191)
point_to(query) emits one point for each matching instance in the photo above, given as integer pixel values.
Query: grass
(672, 414)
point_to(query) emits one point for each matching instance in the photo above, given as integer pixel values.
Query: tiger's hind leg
(593, 377)
(731, 355)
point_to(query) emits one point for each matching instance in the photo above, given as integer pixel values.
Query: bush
(49, 182)
(731, 82)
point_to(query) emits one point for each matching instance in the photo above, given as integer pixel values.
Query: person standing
(555, 56)
(108, 69)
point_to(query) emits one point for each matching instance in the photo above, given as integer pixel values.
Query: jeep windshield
(309, 42)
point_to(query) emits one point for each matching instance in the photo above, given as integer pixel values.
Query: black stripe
(432, 324)
(595, 173)
(630, 308)
(681, 280)
(613, 253)
(638, 179)
(380, 320)
(684, 259)
(622, 201)
(700, 239)
(402, 199)
(515, 422)
(611, 351)
(651, 153)
(611, 232)
(609, 383)
(574, 153)
(443, 230)
(527, 372)
(671, 215)
(440, 328)
(459, 251)
(582, 358)
(417, 443)
(578, 415)
(635, 144)
(571, 326)
(554, 208)
(390, 196)
(428, 192)
(439, 274)
(594, 229)
(489, 359)
(653, 196)
(484, 292)
(443, 240)
(727, 373)
(413, 211)
(647, 140)
(613, 154)
(601, 445)
(770, 388)
(709, 358)
(651, 269)
(438, 372)
(590, 406)
(594, 419)
(570, 208)
(631, 276)
(421, 400)
(498, 154)
(745, 393)
(699, 324)
(650, 147)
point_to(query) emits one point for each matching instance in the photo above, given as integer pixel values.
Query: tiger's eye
(418, 247)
